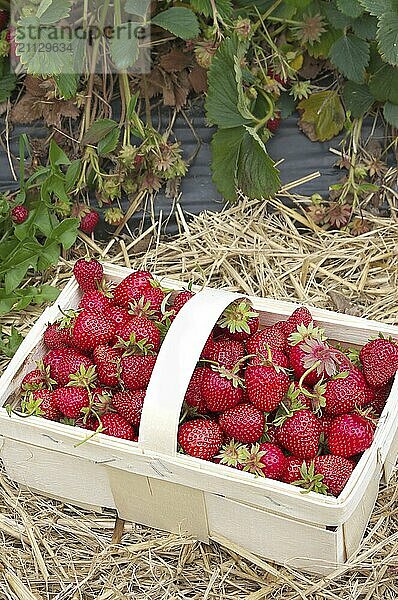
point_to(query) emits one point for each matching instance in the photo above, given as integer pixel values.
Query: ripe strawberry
(274, 123)
(4, 16)
(299, 433)
(343, 394)
(193, 395)
(244, 423)
(129, 405)
(89, 273)
(92, 329)
(116, 426)
(326, 424)
(266, 386)
(336, 471)
(225, 352)
(270, 433)
(71, 400)
(101, 399)
(239, 320)
(89, 222)
(136, 371)
(276, 357)
(380, 396)
(200, 438)
(34, 380)
(65, 362)
(379, 359)
(95, 301)
(300, 316)
(149, 304)
(220, 389)
(292, 470)
(57, 337)
(181, 299)
(350, 434)
(266, 460)
(107, 361)
(119, 316)
(295, 396)
(132, 288)
(271, 337)
(46, 404)
(19, 214)
(141, 332)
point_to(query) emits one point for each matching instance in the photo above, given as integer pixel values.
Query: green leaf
(383, 84)
(257, 176)
(321, 48)
(15, 275)
(286, 105)
(390, 112)
(98, 131)
(377, 7)
(67, 84)
(109, 142)
(351, 8)
(181, 22)
(387, 34)
(137, 7)
(365, 27)
(57, 156)
(222, 98)
(357, 98)
(72, 174)
(7, 85)
(336, 18)
(124, 46)
(225, 148)
(20, 299)
(224, 7)
(325, 112)
(300, 4)
(350, 55)
(9, 343)
(52, 11)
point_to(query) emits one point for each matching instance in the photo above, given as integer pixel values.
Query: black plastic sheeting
(300, 157)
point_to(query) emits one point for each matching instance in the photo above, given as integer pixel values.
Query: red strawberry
(129, 405)
(19, 214)
(141, 332)
(379, 359)
(266, 460)
(380, 396)
(343, 395)
(274, 123)
(336, 471)
(136, 371)
(65, 362)
(244, 423)
(300, 316)
(311, 351)
(193, 395)
(89, 222)
(326, 424)
(277, 358)
(266, 386)
(299, 433)
(88, 273)
(201, 438)
(239, 320)
(71, 400)
(116, 426)
(271, 337)
(181, 299)
(43, 405)
(57, 337)
(350, 434)
(95, 301)
(150, 303)
(92, 329)
(34, 380)
(292, 470)
(101, 400)
(220, 389)
(107, 361)
(132, 288)
(119, 316)
(270, 433)
(225, 352)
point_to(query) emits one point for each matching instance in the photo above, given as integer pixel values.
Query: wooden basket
(148, 482)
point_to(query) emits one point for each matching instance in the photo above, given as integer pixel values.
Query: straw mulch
(49, 550)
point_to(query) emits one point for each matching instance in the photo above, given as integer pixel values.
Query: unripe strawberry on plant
(89, 273)
(19, 214)
(200, 438)
(89, 222)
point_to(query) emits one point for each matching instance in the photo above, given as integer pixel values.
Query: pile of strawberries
(280, 402)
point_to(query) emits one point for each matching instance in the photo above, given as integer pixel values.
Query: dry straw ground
(49, 550)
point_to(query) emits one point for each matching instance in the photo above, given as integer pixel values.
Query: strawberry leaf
(350, 55)
(390, 112)
(257, 176)
(124, 47)
(351, 8)
(357, 98)
(225, 147)
(387, 34)
(180, 21)
(324, 112)
(384, 84)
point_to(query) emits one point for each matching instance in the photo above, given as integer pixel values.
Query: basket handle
(177, 359)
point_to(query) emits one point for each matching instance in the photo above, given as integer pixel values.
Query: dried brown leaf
(175, 61)
(343, 304)
(198, 79)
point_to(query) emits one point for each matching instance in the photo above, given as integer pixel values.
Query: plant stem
(125, 94)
